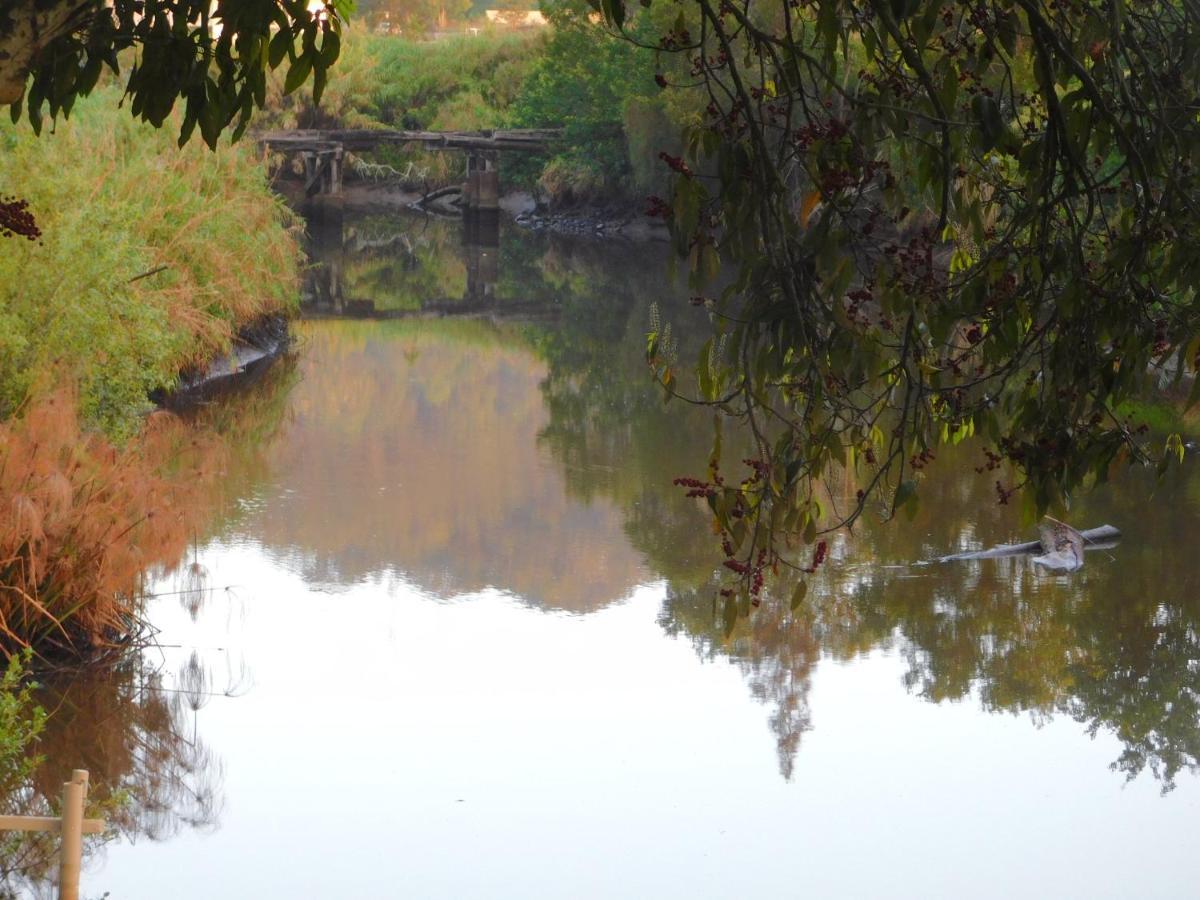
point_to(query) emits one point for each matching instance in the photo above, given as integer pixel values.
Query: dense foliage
(946, 221)
(215, 56)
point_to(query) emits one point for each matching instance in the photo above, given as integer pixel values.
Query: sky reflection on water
(481, 657)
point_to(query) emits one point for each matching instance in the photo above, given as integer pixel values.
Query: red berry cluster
(731, 124)
(915, 272)
(1161, 344)
(1003, 494)
(760, 466)
(922, 459)
(751, 573)
(676, 162)
(994, 461)
(853, 309)
(696, 487)
(674, 40)
(818, 557)
(658, 208)
(16, 220)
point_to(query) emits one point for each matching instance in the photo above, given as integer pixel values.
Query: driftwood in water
(1101, 538)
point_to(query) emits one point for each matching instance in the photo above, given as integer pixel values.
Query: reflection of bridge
(323, 153)
(333, 243)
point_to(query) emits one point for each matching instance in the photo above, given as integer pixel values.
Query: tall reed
(84, 519)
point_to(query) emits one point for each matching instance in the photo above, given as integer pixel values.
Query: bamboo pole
(71, 828)
(52, 824)
(71, 850)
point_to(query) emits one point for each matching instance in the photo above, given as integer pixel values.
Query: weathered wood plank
(358, 139)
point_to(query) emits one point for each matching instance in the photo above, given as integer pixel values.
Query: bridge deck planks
(526, 140)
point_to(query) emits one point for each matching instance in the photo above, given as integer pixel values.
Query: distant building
(516, 18)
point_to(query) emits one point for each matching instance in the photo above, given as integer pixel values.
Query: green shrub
(21, 721)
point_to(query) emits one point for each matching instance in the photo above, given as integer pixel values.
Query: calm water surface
(452, 635)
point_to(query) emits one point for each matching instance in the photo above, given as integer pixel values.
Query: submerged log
(1102, 538)
(447, 191)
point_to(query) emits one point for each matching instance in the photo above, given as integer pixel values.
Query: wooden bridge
(324, 152)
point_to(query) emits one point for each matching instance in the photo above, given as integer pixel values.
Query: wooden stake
(71, 828)
(71, 852)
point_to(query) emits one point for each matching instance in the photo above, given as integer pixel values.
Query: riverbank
(154, 263)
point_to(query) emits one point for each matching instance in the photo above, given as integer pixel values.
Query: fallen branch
(1102, 538)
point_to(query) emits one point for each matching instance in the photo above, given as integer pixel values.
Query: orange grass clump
(82, 521)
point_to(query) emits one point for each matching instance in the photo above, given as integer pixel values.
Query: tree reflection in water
(1115, 646)
(133, 727)
(577, 466)
(151, 775)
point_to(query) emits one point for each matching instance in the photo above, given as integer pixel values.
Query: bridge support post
(489, 183)
(471, 190)
(481, 239)
(310, 169)
(482, 190)
(323, 171)
(333, 185)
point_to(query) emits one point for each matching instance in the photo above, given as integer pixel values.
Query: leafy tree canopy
(946, 220)
(211, 54)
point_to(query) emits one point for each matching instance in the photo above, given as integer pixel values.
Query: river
(452, 634)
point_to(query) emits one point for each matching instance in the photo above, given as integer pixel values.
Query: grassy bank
(151, 260)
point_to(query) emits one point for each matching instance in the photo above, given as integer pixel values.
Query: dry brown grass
(82, 520)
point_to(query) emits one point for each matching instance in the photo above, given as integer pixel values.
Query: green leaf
(279, 47)
(297, 74)
(906, 493)
(1175, 445)
(614, 11)
(331, 47)
(729, 615)
(991, 126)
(704, 372)
(799, 594)
(318, 89)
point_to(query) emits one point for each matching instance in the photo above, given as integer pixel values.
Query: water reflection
(520, 447)
(152, 775)
(395, 267)
(1115, 647)
(135, 728)
(535, 457)
(517, 457)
